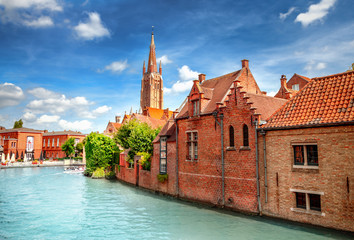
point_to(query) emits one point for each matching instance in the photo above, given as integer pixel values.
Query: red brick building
(52, 142)
(292, 87)
(112, 127)
(21, 142)
(306, 151)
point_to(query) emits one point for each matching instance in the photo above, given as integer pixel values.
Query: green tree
(99, 151)
(69, 147)
(79, 147)
(18, 124)
(137, 137)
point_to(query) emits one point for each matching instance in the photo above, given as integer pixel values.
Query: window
(48, 142)
(43, 142)
(295, 87)
(245, 136)
(53, 142)
(305, 155)
(192, 142)
(308, 200)
(232, 136)
(163, 155)
(57, 142)
(196, 108)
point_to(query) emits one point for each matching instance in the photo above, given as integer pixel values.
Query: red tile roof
(157, 113)
(57, 133)
(152, 122)
(265, 105)
(324, 100)
(30, 130)
(168, 130)
(116, 125)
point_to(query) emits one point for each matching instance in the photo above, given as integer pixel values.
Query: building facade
(20, 142)
(306, 152)
(52, 142)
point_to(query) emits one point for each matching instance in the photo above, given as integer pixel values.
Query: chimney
(283, 81)
(245, 63)
(201, 77)
(117, 119)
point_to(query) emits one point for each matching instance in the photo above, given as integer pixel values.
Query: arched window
(245, 136)
(231, 136)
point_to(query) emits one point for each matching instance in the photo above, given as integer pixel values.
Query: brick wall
(335, 164)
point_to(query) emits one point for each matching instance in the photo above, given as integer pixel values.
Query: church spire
(152, 66)
(144, 70)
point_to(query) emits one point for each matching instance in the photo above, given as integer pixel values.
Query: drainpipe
(257, 167)
(263, 133)
(177, 177)
(221, 124)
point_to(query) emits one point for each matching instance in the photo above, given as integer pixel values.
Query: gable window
(163, 155)
(192, 143)
(232, 136)
(245, 136)
(307, 201)
(196, 108)
(305, 154)
(295, 87)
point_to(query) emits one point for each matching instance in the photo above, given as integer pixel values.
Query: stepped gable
(324, 101)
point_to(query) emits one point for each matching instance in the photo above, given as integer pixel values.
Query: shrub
(145, 160)
(110, 175)
(162, 177)
(98, 173)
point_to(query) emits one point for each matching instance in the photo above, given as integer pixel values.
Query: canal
(45, 203)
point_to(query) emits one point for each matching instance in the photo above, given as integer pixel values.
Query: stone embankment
(66, 162)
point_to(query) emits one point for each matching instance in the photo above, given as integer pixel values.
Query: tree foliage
(99, 151)
(136, 136)
(69, 147)
(18, 124)
(79, 147)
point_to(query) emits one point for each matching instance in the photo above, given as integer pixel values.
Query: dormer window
(196, 109)
(295, 87)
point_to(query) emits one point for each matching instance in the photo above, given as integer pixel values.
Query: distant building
(292, 87)
(309, 154)
(21, 142)
(112, 127)
(52, 142)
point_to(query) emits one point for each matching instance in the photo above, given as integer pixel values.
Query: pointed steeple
(144, 69)
(152, 66)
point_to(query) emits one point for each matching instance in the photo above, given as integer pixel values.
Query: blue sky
(76, 64)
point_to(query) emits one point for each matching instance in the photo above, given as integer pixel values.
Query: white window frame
(296, 87)
(193, 148)
(196, 108)
(163, 155)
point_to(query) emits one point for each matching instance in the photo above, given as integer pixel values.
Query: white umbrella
(8, 157)
(3, 157)
(13, 157)
(25, 158)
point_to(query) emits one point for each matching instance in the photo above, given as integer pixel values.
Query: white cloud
(10, 95)
(41, 22)
(92, 28)
(185, 82)
(283, 16)
(76, 125)
(115, 67)
(51, 5)
(186, 74)
(312, 65)
(29, 12)
(164, 60)
(29, 117)
(85, 3)
(315, 12)
(43, 93)
(48, 119)
(101, 110)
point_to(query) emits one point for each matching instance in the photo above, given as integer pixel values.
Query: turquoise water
(45, 203)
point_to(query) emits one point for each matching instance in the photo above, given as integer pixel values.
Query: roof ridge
(334, 75)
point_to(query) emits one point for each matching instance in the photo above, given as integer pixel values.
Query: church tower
(151, 84)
